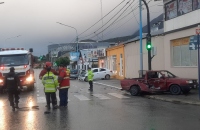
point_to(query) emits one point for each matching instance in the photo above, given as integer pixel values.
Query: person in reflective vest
(64, 85)
(90, 79)
(44, 71)
(50, 82)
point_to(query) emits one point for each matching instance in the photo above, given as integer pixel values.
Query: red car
(158, 81)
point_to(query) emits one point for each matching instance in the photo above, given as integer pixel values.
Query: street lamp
(76, 33)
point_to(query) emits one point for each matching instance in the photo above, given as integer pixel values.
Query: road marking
(41, 100)
(100, 96)
(38, 95)
(38, 91)
(107, 85)
(81, 97)
(118, 95)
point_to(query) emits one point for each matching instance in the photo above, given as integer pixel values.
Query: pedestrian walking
(12, 82)
(64, 85)
(44, 71)
(90, 79)
(50, 82)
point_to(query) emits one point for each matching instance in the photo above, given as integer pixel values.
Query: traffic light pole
(148, 37)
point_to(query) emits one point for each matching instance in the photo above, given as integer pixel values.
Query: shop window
(196, 4)
(181, 55)
(184, 6)
(171, 10)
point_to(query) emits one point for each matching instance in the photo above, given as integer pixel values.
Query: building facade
(132, 56)
(181, 20)
(116, 61)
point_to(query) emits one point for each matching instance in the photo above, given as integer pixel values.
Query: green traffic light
(149, 46)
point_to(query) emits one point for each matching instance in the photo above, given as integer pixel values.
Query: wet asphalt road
(104, 109)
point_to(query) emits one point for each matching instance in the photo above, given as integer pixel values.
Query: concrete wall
(132, 56)
(185, 72)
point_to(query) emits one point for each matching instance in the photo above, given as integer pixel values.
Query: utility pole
(148, 37)
(141, 50)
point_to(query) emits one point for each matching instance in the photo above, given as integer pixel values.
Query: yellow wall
(117, 50)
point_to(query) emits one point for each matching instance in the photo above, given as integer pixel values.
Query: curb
(158, 98)
(173, 100)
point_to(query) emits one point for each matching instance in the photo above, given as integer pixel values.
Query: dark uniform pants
(91, 85)
(51, 96)
(63, 94)
(13, 96)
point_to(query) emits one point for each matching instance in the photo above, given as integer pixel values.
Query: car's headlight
(30, 78)
(1, 80)
(189, 81)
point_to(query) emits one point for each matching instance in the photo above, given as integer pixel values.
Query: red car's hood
(183, 78)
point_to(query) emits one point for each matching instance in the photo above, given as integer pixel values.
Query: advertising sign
(54, 53)
(184, 6)
(171, 10)
(196, 4)
(74, 56)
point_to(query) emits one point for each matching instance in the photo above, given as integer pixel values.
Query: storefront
(116, 61)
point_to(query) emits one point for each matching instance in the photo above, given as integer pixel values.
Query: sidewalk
(191, 98)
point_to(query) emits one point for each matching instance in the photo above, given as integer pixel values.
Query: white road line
(38, 91)
(118, 95)
(41, 100)
(100, 96)
(107, 85)
(81, 97)
(38, 95)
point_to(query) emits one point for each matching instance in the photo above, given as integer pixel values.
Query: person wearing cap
(12, 82)
(90, 78)
(64, 85)
(50, 82)
(44, 71)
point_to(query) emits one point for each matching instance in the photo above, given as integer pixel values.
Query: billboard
(184, 6)
(171, 10)
(74, 56)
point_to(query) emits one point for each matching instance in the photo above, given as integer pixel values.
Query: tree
(63, 60)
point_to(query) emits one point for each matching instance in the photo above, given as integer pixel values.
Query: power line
(118, 20)
(114, 20)
(101, 18)
(130, 18)
(109, 20)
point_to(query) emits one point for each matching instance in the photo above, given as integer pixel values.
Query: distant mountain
(125, 38)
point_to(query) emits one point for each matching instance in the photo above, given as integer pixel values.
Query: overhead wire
(102, 18)
(114, 20)
(129, 19)
(117, 21)
(109, 19)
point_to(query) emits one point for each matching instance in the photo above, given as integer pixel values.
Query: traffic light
(148, 44)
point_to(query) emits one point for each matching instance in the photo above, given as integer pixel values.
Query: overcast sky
(32, 23)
